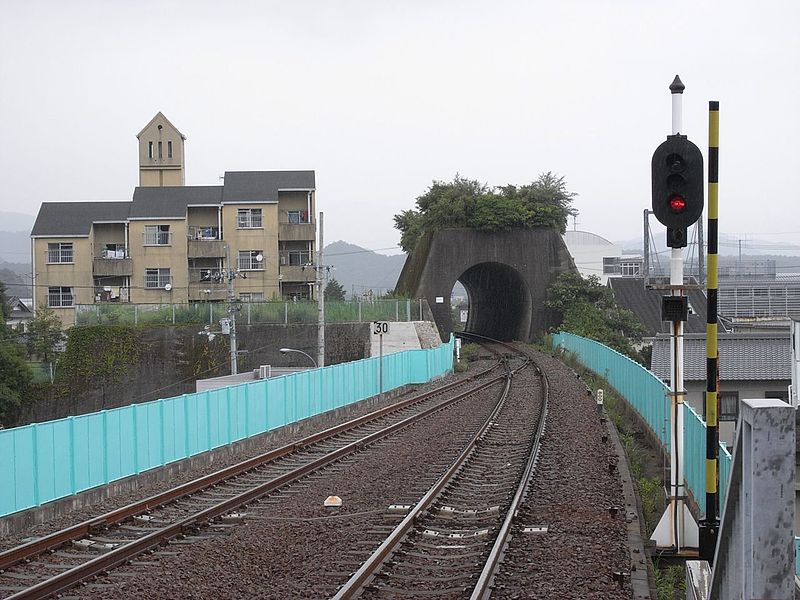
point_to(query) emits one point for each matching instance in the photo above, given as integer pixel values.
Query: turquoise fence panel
(797, 556)
(23, 452)
(7, 467)
(648, 396)
(46, 461)
(96, 442)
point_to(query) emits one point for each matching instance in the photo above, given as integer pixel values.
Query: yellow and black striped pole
(710, 525)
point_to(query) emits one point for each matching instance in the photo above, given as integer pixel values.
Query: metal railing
(203, 233)
(252, 313)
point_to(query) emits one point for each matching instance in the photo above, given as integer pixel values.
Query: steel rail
(370, 567)
(67, 579)
(483, 587)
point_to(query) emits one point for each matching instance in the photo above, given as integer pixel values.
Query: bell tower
(161, 154)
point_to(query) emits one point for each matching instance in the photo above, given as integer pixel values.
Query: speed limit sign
(380, 327)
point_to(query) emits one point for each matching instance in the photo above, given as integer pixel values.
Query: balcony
(112, 264)
(296, 274)
(296, 232)
(206, 249)
(203, 291)
(204, 242)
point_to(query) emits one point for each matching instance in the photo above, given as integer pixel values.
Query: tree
(546, 202)
(44, 336)
(334, 291)
(15, 377)
(588, 309)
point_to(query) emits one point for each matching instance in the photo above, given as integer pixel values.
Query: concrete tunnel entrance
(500, 302)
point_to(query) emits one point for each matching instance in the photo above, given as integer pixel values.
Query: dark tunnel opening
(499, 301)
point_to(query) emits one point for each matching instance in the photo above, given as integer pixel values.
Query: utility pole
(231, 275)
(646, 238)
(320, 298)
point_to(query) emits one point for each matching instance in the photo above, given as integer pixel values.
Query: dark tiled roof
(742, 356)
(171, 202)
(646, 304)
(263, 186)
(76, 218)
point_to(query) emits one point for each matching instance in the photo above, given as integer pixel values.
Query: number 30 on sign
(380, 327)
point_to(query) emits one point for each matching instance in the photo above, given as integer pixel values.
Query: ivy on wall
(99, 354)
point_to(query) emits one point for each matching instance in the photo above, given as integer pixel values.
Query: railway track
(451, 542)
(55, 563)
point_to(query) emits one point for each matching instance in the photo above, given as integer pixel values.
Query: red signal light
(677, 204)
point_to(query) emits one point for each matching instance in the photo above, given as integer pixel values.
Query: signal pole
(675, 201)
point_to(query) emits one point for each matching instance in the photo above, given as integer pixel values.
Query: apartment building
(174, 243)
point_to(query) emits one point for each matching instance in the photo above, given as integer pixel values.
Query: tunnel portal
(499, 301)
(506, 275)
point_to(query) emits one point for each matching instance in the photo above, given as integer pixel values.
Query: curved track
(451, 542)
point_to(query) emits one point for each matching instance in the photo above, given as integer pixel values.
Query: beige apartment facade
(175, 244)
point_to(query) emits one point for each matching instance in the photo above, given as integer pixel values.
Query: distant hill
(14, 221)
(15, 246)
(12, 276)
(360, 270)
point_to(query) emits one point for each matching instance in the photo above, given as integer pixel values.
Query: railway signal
(677, 179)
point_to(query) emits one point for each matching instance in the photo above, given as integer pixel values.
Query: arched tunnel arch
(500, 303)
(505, 273)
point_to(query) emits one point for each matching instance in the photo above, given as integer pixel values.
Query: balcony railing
(114, 293)
(203, 233)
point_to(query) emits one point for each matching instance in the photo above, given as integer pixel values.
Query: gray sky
(381, 98)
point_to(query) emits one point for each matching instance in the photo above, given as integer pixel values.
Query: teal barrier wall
(647, 394)
(45, 461)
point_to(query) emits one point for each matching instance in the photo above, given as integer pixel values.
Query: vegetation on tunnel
(469, 203)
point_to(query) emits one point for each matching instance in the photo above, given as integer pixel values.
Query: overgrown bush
(468, 203)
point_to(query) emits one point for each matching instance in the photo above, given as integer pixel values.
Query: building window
(728, 406)
(610, 265)
(251, 260)
(169, 149)
(156, 235)
(160, 155)
(248, 218)
(156, 278)
(295, 258)
(631, 269)
(59, 297)
(252, 297)
(298, 216)
(149, 149)
(60, 252)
